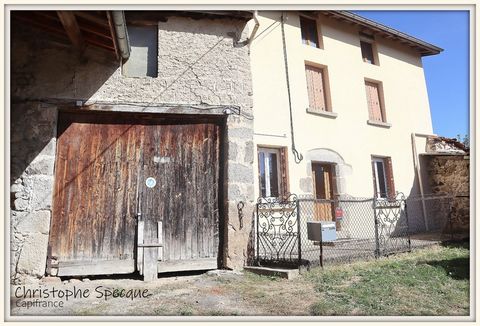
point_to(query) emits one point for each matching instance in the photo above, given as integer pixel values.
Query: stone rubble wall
(32, 146)
(449, 174)
(198, 64)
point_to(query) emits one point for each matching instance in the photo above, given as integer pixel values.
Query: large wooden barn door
(179, 198)
(103, 194)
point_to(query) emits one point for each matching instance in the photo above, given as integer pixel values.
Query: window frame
(377, 193)
(327, 111)
(369, 39)
(317, 37)
(388, 178)
(282, 170)
(381, 99)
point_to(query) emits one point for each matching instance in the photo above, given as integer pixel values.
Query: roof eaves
(423, 47)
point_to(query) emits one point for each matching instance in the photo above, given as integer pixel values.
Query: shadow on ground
(457, 268)
(463, 244)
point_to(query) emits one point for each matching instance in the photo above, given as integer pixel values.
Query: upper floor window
(317, 86)
(143, 60)
(368, 48)
(376, 110)
(367, 52)
(309, 32)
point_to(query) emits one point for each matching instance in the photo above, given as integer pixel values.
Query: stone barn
(131, 142)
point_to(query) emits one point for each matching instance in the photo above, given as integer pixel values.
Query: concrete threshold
(271, 271)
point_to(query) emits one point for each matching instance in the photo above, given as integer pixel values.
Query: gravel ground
(207, 294)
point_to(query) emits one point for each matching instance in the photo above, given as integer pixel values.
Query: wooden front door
(102, 166)
(323, 187)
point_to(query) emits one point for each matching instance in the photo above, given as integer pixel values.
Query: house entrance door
(323, 190)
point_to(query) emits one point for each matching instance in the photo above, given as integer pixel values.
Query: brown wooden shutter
(373, 99)
(389, 177)
(285, 188)
(311, 94)
(316, 90)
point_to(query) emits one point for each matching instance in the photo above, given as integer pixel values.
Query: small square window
(367, 52)
(309, 32)
(143, 60)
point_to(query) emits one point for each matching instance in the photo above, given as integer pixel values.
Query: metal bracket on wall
(240, 207)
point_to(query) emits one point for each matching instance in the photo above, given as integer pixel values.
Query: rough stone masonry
(450, 174)
(198, 64)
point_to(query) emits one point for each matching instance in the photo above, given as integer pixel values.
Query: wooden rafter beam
(72, 29)
(92, 18)
(41, 23)
(113, 34)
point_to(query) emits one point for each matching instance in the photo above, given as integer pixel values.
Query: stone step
(272, 271)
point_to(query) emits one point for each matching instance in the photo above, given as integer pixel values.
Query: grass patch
(186, 311)
(433, 281)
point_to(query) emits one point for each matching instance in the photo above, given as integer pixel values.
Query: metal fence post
(258, 239)
(299, 233)
(321, 253)
(377, 240)
(449, 216)
(408, 225)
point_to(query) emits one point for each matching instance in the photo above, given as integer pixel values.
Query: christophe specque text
(100, 292)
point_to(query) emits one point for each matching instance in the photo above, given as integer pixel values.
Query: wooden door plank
(150, 264)
(160, 240)
(187, 265)
(95, 267)
(140, 233)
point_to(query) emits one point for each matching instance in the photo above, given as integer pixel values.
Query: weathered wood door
(102, 165)
(181, 209)
(323, 186)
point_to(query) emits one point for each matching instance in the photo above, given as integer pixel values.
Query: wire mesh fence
(355, 226)
(364, 227)
(429, 213)
(433, 218)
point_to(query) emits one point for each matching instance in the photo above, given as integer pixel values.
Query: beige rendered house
(336, 100)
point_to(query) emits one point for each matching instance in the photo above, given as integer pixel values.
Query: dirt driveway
(433, 281)
(209, 294)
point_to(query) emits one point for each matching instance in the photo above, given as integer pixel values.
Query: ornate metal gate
(278, 231)
(391, 225)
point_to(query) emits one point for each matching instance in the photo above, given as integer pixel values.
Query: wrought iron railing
(278, 231)
(365, 227)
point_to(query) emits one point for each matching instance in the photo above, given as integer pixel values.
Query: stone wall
(450, 174)
(33, 132)
(198, 65)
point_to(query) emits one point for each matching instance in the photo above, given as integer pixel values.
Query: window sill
(326, 114)
(313, 47)
(379, 124)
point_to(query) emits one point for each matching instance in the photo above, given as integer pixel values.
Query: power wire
(297, 156)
